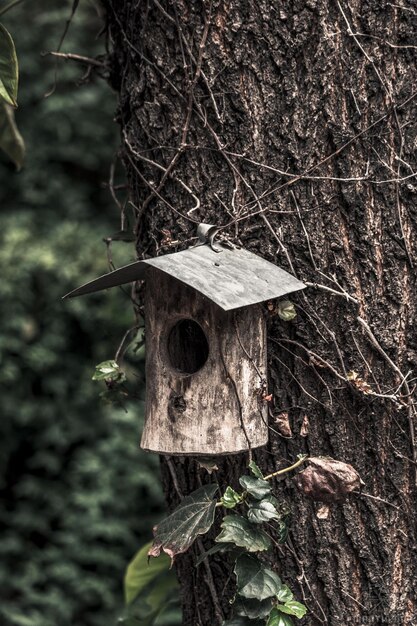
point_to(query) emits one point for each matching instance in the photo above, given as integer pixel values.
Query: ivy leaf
(252, 609)
(11, 141)
(292, 607)
(9, 71)
(286, 310)
(254, 580)
(193, 517)
(262, 511)
(276, 618)
(278, 506)
(255, 470)
(285, 594)
(109, 370)
(242, 533)
(231, 498)
(283, 516)
(283, 528)
(257, 487)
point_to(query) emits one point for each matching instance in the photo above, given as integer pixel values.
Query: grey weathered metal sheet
(121, 276)
(231, 278)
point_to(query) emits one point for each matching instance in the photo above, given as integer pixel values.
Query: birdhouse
(206, 355)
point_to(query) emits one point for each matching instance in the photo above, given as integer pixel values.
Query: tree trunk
(290, 124)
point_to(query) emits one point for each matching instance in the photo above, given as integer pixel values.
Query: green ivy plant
(261, 597)
(109, 371)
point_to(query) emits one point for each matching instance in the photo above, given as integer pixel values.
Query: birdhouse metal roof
(232, 278)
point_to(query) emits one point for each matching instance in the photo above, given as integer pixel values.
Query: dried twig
(76, 57)
(410, 404)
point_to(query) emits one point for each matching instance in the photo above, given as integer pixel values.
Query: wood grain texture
(216, 410)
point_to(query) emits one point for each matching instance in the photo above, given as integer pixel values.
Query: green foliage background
(78, 498)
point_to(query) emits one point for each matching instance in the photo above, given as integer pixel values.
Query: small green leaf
(285, 594)
(140, 572)
(255, 470)
(291, 607)
(193, 517)
(286, 310)
(252, 609)
(276, 618)
(231, 498)
(278, 506)
(9, 70)
(283, 528)
(262, 511)
(257, 487)
(254, 580)
(242, 533)
(11, 141)
(109, 370)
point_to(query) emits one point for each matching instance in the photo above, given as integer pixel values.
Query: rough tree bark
(290, 123)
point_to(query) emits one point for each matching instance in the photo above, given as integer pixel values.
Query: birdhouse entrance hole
(188, 347)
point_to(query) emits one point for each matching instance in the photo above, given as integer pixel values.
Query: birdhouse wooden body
(206, 357)
(203, 391)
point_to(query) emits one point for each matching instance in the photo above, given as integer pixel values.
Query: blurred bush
(77, 496)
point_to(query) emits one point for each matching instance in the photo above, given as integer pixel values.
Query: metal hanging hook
(206, 234)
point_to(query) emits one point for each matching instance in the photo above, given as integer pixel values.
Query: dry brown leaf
(359, 382)
(327, 480)
(282, 423)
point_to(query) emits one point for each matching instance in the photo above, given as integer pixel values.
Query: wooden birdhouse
(205, 337)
